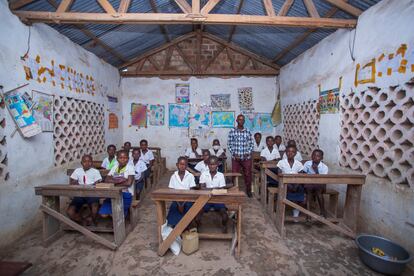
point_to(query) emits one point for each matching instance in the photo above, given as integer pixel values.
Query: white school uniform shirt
(201, 167)
(298, 156)
(284, 166)
(186, 184)
(106, 164)
(281, 147)
(322, 168)
(147, 157)
(88, 177)
(218, 181)
(259, 147)
(190, 154)
(270, 155)
(218, 153)
(139, 168)
(125, 172)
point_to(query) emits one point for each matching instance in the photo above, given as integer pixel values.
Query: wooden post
(160, 205)
(239, 226)
(118, 219)
(351, 208)
(280, 209)
(51, 226)
(263, 187)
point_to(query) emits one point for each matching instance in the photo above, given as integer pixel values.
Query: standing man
(240, 144)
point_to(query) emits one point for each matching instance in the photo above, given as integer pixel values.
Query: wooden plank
(323, 179)
(107, 6)
(77, 227)
(285, 8)
(215, 236)
(195, 6)
(123, 6)
(160, 206)
(280, 209)
(321, 219)
(351, 208)
(310, 6)
(78, 190)
(209, 6)
(345, 7)
(184, 222)
(270, 11)
(178, 18)
(154, 63)
(64, 5)
(239, 232)
(271, 174)
(51, 226)
(184, 57)
(230, 57)
(132, 74)
(118, 220)
(167, 61)
(184, 6)
(198, 49)
(17, 4)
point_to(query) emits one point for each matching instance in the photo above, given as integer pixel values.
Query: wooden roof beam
(270, 11)
(106, 6)
(310, 7)
(209, 6)
(123, 6)
(286, 7)
(195, 6)
(64, 6)
(184, 6)
(233, 28)
(343, 5)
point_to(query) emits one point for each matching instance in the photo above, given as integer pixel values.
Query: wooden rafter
(106, 6)
(168, 57)
(270, 11)
(123, 6)
(195, 6)
(218, 52)
(209, 6)
(184, 57)
(302, 38)
(310, 6)
(173, 18)
(184, 6)
(233, 28)
(286, 7)
(174, 73)
(343, 5)
(64, 6)
(162, 27)
(17, 4)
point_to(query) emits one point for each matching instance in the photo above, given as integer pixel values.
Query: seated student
(316, 166)
(193, 152)
(147, 156)
(213, 179)
(121, 175)
(278, 143)
(298, 156)
(258, 145)
(180, 180)
(140, 169)
(109, 162)
(216, 150)
(270, 153)
(290, 165)
(84, 176)
(127, 148)
(202, 166)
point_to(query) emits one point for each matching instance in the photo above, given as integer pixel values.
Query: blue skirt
(174, 216)
(215, 206)
(106, 208)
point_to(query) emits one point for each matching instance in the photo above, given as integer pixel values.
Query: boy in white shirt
(213, 179)
(270, 153)
(147, 156)
(84, 176)
(202, 166)
(127, 148)
(109, 162)
(121, 175)
(316, 166)
(278, 143)
(193, 152)
(140, 167)
(290, 165)
(258, 145)
(180, 180)
(216, 150)
(298, 156)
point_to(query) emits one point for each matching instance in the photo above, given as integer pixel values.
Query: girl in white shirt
(258, 145)
(202, 166)
(109, 162)
(140, 168)
(278, 143)
(180, 180)
(297, 156)
(270, 153)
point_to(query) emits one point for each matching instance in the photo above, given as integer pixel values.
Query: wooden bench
(347, 225)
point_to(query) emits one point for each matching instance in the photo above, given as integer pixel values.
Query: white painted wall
(162, 91)
(31, 161)
(385, 209)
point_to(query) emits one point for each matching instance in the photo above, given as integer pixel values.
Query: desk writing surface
(77, 190)
(301, 178)
(167, 194)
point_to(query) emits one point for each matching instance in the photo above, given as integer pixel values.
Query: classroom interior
(77, 76)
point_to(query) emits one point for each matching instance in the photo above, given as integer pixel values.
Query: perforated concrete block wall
(78, 129)
(377, 133)
(301, 123)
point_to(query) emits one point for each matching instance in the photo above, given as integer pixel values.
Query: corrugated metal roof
(133, 40)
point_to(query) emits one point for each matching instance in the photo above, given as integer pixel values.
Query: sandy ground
(307, 250)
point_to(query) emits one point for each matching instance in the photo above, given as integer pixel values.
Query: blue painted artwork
(178, 115)
(223, 119)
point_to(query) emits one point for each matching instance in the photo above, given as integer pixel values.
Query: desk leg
(280, 209)
(239, 226)
(51, 226)
(160, 205)
(263, 188)
(351, 208)
(118, 220)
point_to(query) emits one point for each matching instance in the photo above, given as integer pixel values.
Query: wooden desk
(265, 167)
(348, 225)
(52, 217)
(200, 198)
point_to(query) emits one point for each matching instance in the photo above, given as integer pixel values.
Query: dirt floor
(307, 250)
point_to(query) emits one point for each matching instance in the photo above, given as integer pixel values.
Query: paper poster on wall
(220, 101)
(113, 121)
(259, 122)
(224, 119)
(20, 110)
(178, 115)
(112, 104)
(43, 110)
(138, 115)
(200, 116)
(329, 99)
(246, 98)
(156, 115)
(182, 93)
(277, 112)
